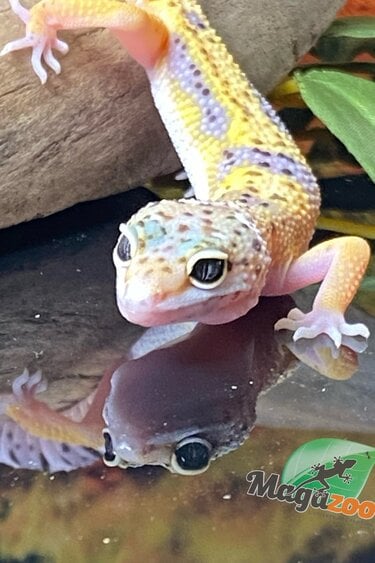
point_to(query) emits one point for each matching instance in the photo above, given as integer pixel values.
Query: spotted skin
(183, 228)
(257, 201)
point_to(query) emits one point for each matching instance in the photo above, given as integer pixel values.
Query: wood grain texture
(93, 130)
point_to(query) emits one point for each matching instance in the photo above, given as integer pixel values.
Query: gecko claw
(36, 62)
(310, 325)
(41, 43)
(295, 314)
(51, 60)
(26, 385)
(358, 329)
(42, 50)
(61, 46)
(16, 45)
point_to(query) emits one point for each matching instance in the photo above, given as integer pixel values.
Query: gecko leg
(340, 263)
(142, 34)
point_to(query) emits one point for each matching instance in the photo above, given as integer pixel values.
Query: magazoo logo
(327, 473)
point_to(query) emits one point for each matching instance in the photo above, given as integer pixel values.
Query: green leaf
(323, 451)
(346, 38)
(346, 105)
(360, 27)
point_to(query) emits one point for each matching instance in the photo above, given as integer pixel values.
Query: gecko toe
(60, 46)
(291, 321)
(284, 324)
(19, 382)
(36, 384)
(335, 335)
(51, 60)
(16, 45)
(358, 329)
(20, 11)
(295, 314)
(26, 385)
(36, 61)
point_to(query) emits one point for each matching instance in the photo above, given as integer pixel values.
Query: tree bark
(93, 131)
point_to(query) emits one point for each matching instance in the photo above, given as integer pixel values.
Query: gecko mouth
(148, 315)
(218, 309)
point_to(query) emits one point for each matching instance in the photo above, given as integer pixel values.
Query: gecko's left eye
(127, 243)
(207, 268)
(124, 249)
(110, 457)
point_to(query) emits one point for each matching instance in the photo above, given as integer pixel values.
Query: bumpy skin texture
(257, 198)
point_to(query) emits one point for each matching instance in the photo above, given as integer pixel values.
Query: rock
(59, 314)
(93, 130)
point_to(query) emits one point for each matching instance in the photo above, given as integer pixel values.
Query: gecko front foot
(310, 325)
(26, 386)
(41, 43)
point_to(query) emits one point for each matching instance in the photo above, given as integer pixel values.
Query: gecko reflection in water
(179, 406)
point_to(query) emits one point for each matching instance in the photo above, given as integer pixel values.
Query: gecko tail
(21, 450)
(47, 438)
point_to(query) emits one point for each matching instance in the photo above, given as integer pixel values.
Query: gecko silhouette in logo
(323, 473)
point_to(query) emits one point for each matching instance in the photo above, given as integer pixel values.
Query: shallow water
(239, 387)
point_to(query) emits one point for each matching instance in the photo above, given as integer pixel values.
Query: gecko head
(189, 260)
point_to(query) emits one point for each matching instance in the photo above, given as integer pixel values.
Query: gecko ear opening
(207, 268)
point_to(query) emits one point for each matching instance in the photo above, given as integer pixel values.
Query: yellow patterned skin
(247, 232)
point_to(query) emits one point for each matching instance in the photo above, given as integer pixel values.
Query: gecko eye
(192, 456)
(127, 243)
(207, 268)
(123, 249)
(110, 457)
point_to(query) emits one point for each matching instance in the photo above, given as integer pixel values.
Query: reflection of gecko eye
(110, 457)
(207, 268)
(192, 456)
